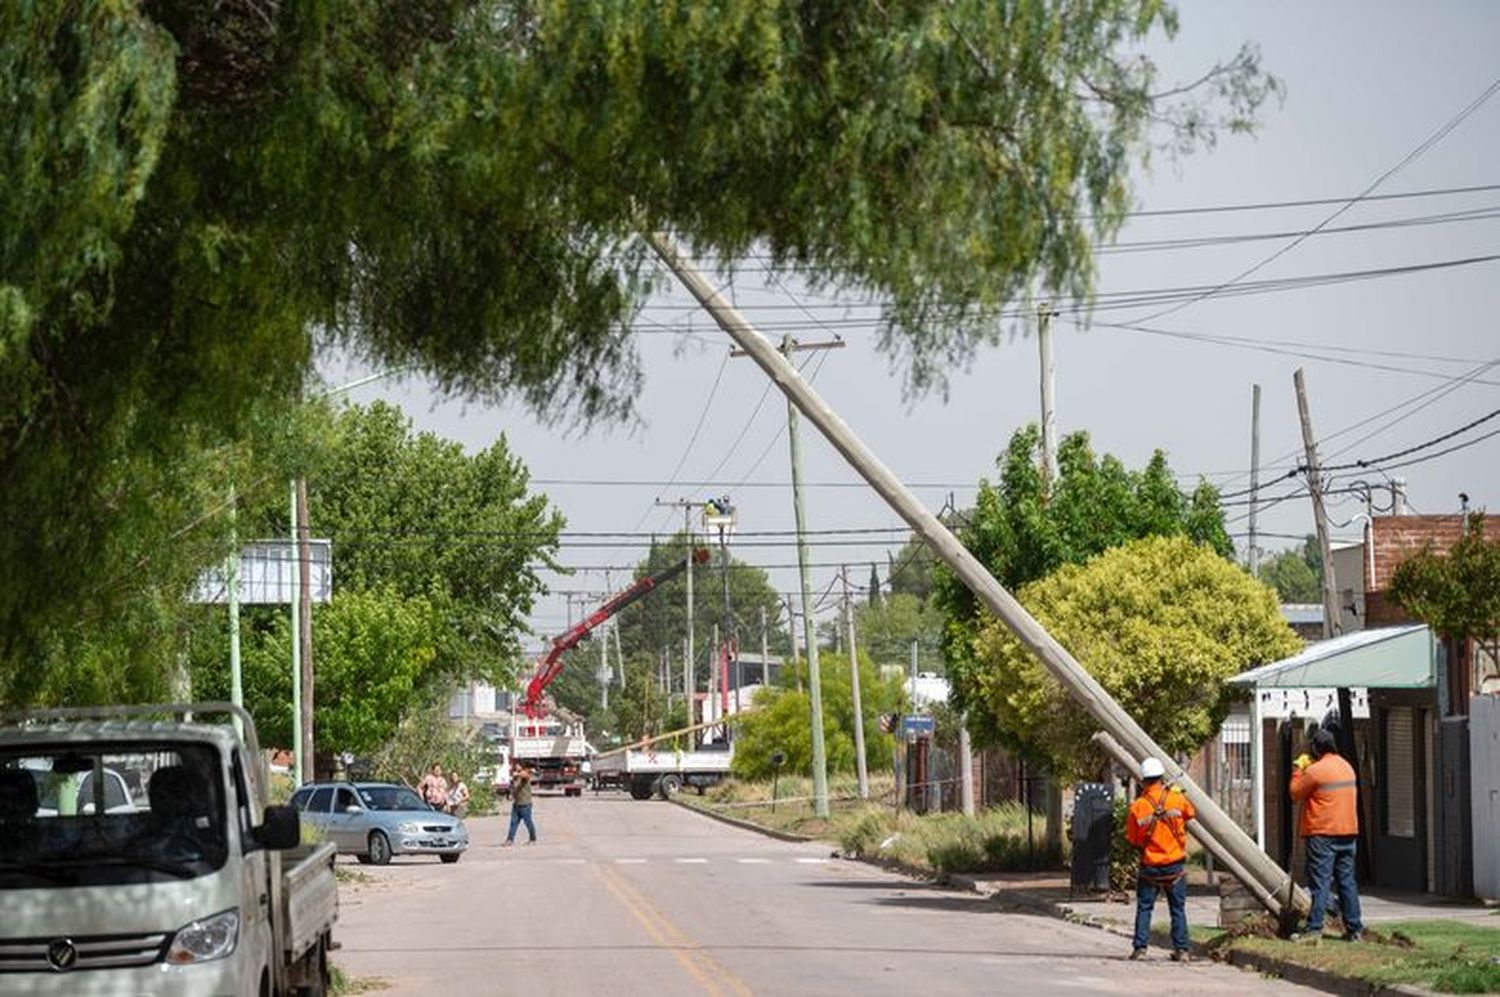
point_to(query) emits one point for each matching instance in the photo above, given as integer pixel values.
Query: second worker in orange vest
(1157, 825)
(1329, 793)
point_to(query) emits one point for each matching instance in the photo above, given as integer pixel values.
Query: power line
(1418, 447)
(1432, 140)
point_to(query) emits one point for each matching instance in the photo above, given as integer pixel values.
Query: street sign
(918, 725)
(265, 574)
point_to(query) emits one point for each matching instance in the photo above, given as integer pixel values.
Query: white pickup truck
(661, 771)
(138, 856)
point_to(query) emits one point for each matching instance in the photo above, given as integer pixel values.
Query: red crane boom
(551, 664)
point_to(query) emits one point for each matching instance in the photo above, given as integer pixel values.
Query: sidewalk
(1052, 889)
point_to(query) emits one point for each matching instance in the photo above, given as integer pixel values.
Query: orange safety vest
(1329, 793)
(1158, 825)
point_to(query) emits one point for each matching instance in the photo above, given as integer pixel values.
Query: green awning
(1388, 658)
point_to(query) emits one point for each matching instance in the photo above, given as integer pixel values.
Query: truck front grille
(64, 954)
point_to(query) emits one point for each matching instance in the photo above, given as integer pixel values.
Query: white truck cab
(180, 887)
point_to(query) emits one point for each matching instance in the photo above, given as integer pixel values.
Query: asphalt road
(626, 897)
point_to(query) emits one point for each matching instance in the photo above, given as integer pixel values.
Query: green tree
(1456, 592)
(414, 512)
(660, 619)
(1023, 531)
(1160, 622)
(1296, 574)
(885, 632)
(200, 198)
(779, 722)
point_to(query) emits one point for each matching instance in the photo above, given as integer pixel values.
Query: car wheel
(668, 785)
(450, 859)
(380, 848)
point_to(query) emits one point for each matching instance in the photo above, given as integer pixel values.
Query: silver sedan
(374, 820)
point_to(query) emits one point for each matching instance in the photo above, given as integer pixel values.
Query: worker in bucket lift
(1157, 825)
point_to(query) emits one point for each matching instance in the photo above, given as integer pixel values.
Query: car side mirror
(281, 829)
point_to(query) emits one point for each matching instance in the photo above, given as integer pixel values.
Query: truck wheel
(321, 980)
(641, 789)
(668, 785)
(450, 859)
(380, 848)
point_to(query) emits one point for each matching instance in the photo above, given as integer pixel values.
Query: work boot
(1136, 954)
(1308, 938)
(1354, 936)
(1181, 955)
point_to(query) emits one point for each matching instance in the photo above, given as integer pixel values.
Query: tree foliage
(198, 198)
(780, 721)
(1456, 592)
(1297, 573)
(1023, 531)
(1160, 622)
(885, 631)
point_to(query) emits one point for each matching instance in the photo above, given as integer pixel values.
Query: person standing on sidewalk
(1157, 825)
(520, 807)
(1328, 790)
(434, 788)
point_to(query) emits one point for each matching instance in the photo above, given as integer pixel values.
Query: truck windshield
(91, 815)
(391, 798)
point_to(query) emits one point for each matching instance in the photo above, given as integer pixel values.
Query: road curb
(744, 825)
(1322, 979)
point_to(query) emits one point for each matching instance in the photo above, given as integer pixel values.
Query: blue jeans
(520, 812)
(1145, 900)
(1330, 858)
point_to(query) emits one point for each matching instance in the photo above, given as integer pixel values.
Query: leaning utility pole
(859, 713)
(1254, 542)
(1332, 626)
(1276, 889)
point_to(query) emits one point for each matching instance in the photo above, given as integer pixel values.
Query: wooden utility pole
(859, 713)
(1254, 551)
(1274, 887)
(1332, 626)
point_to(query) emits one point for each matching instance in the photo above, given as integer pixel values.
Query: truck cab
(139, 856)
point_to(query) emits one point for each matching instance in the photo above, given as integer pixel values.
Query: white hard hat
(1151, 768)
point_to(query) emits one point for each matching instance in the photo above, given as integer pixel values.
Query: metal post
(860, 769)
(232, 596)
(304, 575)
(295, 601)
(1254, 551)
(1332, 624)
(1083, 687)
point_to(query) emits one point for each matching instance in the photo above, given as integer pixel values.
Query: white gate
(1484, 768)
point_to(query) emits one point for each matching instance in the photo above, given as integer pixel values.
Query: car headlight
(205, 939)
(409, 827)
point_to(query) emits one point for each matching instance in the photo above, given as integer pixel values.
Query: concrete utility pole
(1254, 551)
(304, 595)
(1332, 626)
(791, 629)
(965, 767)
(1280, 894)
(765, 650)
(1049, 392)
(603, 674)
(859, 713)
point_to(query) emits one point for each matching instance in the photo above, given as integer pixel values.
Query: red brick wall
(1398, 537)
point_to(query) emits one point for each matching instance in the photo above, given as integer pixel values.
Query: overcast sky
(1366, 85)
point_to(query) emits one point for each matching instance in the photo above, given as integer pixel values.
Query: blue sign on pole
(918, 725)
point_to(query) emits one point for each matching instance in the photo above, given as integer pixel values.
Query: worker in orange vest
(1157, 825)
(1326, 786)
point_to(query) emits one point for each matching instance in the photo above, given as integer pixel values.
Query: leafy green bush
(993, 840)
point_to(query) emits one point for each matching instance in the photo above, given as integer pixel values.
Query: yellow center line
(702, 967)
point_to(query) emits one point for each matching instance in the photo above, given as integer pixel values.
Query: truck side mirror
(281, 829)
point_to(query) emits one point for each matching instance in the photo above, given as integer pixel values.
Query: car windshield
(92, 815)
(391, 798)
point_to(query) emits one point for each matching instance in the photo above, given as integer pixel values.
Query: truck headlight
(205, 939)
(409, 827)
